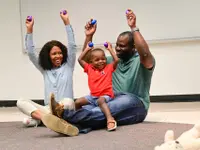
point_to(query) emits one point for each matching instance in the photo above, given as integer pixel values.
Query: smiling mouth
(117, 53)
(58, 61)
(101, 66)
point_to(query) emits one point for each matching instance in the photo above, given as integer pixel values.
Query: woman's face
(56, 56)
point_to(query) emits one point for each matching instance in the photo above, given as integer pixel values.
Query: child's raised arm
(81, 60)
(115, 58)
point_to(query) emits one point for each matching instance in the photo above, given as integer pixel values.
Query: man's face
(123, 49)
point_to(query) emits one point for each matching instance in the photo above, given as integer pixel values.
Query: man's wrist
(89, 36)
(135, 29)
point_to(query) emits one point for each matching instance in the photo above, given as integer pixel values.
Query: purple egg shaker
(106, 44)
(29, 18)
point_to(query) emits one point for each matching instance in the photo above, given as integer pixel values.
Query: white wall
(157, 19)
(177, 69)
(18, 76)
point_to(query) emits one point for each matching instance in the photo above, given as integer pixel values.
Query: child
(100, 81)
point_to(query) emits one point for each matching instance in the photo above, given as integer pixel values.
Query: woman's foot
(111, 125)
(30, 122)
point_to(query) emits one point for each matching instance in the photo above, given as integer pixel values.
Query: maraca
(90, 44)
(106, 44)
(127, 11)
(93, 22)
(29, 18)
(64, 12)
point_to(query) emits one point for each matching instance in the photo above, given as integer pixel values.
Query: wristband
(135, 29)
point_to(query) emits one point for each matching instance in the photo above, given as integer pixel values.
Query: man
(131, 83)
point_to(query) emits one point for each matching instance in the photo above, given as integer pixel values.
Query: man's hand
(65, 17)
(29, 25)
(131, 18)
(90, 29)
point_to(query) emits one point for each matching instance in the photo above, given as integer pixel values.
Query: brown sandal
(113, 128)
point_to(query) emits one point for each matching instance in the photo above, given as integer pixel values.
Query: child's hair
(89, 55)
(44, 55)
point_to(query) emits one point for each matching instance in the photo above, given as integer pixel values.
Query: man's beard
(126, 56)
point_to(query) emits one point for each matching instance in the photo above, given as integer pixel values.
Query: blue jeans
(125, 108)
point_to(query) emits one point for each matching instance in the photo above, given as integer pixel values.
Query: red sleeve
(111, 67)
(86, 67)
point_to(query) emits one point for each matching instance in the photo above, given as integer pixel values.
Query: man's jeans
(125, 108)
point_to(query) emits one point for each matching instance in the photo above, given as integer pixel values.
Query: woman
(56, 63)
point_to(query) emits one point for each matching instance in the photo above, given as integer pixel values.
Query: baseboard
(12, 103)
(175, 98)
(155, 98)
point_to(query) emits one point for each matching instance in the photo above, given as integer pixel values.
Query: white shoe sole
(29, 122)
(59, 125)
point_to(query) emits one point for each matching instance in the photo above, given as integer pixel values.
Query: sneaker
(59, 125)
(30, 122)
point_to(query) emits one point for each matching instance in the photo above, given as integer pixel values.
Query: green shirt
(132, 77)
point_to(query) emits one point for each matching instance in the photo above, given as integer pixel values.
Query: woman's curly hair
(44, 55)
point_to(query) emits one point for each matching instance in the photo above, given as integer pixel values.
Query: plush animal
(188, 140)
(67, 103)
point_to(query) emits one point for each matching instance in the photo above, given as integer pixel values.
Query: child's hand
(109, 48)
(65, 17)
(29, 25)
(114, 56)
(88, 48)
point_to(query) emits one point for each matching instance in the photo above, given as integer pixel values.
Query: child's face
(98, 59)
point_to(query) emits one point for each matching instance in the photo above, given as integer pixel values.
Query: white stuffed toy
(68, 103)
(189, 140)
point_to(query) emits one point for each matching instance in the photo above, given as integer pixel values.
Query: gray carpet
(144, 136)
